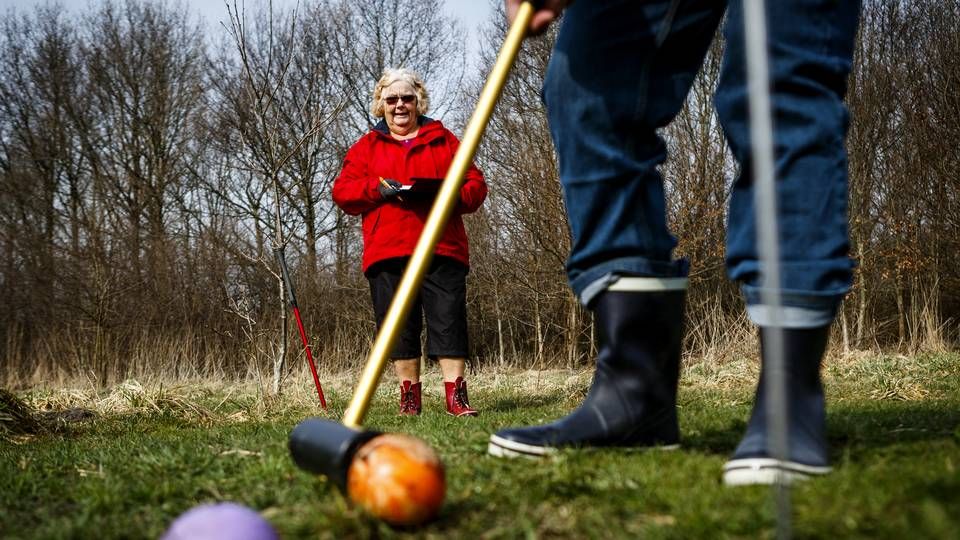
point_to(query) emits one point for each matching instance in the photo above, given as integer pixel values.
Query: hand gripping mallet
(375, 470)
(292, 297)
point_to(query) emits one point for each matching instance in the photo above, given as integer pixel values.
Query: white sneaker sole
(766, 471)
(505, 448)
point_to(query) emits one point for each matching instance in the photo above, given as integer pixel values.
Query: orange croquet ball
(397, 478)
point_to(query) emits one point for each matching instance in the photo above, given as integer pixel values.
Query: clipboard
(422, 189)
(422, 186)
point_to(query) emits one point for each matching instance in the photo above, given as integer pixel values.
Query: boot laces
(460, 397)
(408, 401)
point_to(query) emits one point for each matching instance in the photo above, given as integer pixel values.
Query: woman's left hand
(389, 188)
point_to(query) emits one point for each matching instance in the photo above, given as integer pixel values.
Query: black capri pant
(442, 302)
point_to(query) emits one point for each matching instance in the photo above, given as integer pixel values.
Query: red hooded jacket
(392, 228)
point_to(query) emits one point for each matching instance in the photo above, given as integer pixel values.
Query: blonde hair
(392, 75)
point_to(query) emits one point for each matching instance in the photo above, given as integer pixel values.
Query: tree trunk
(279, 363)
(901, 312)
(861, 322)
(573, 324)
(538, 358)
(845, 328)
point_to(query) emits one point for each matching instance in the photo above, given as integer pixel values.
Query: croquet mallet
(292, 298)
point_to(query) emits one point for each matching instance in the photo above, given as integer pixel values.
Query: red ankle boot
(409, 398)
(457, 402)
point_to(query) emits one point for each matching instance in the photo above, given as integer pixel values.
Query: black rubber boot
(632, 400)
(752, 462)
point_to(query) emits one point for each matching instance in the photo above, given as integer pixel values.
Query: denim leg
(620, 70)
(810, 46)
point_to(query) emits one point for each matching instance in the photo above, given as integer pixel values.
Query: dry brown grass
(882, 377)
(16, 417)
(885, 377)
(719, 351)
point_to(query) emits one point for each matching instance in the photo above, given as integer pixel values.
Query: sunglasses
(392, 100)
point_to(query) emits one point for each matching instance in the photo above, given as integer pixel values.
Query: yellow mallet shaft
(447, 198)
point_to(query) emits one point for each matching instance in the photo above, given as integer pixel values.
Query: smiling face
(400, 108)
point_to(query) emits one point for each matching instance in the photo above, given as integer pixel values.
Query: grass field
(124, 462)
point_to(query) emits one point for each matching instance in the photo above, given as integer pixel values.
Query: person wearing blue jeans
(620, 70)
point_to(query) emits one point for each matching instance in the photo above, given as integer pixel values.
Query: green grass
(151, 454)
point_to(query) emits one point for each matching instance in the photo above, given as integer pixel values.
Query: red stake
(292, 297)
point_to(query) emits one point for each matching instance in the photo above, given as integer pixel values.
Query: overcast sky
(472, 13)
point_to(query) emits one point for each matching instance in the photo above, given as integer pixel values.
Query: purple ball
(221, 521)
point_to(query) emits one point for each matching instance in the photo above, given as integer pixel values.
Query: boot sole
(505, 448)
(766, 471)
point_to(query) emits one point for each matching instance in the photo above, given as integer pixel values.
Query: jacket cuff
(373, 189)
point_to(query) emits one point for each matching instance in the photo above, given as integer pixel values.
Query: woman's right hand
(389, 188)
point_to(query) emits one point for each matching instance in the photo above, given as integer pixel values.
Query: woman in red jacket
(386, 178)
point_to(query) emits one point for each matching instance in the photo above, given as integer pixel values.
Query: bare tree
(281, 103)
(522, 236)
(43, 192)
(376, 34)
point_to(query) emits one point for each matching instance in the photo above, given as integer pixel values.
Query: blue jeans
(621, 69)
